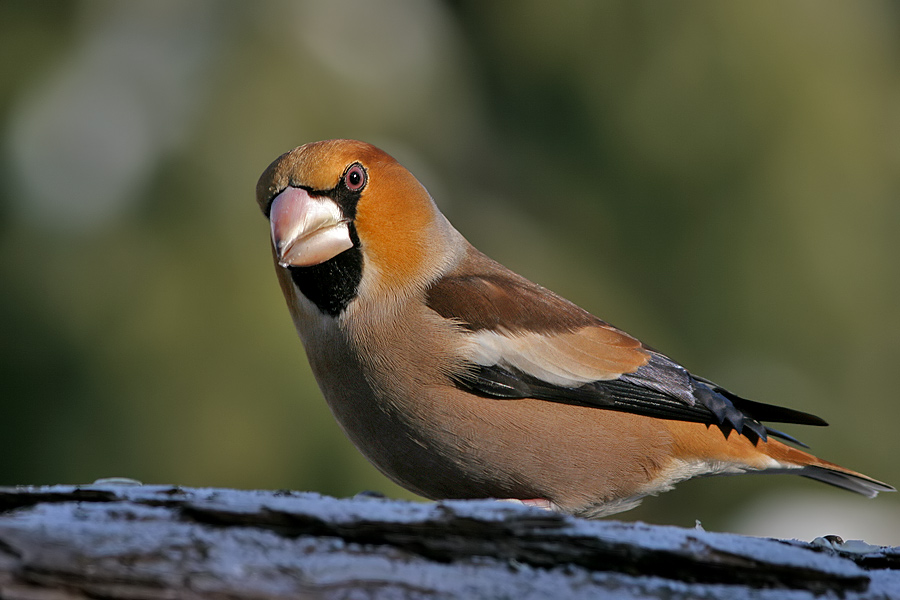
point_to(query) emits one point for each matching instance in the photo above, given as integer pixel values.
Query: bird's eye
(355, 178)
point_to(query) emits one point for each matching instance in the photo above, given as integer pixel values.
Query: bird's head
(347, 218)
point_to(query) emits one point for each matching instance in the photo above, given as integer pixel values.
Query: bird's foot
(536, 503)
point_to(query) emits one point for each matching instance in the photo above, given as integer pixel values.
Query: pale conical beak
(307, 230)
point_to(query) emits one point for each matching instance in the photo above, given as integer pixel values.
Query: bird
(460, 379)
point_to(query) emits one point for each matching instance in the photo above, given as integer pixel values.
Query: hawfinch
(458, 378)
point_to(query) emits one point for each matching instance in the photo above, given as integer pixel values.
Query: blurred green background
(719, 179)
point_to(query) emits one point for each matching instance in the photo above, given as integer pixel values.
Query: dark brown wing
(527, 342)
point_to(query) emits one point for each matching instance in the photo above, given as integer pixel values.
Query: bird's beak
(307, 230)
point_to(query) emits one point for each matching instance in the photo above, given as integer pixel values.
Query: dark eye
(355, 178)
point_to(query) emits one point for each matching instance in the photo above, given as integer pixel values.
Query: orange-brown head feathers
(317, 166)
(335, 196)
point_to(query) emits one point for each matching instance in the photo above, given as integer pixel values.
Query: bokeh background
(719, 179)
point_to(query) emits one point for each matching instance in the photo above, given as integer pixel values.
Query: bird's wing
(524, 341)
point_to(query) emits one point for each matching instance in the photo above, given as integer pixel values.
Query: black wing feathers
(661, 389)
(765, 412)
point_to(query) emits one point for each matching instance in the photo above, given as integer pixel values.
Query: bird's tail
(805, 464)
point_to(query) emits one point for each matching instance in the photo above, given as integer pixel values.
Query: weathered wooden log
(154, 542)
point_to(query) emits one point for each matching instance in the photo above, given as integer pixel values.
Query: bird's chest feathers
(374, 374)
(391, 351)
(403, 344)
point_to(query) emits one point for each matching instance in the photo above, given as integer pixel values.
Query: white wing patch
(568, 359)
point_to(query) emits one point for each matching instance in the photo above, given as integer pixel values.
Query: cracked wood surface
(131, 541)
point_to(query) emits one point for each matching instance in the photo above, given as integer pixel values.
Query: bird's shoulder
(482, 294)
(514, 321)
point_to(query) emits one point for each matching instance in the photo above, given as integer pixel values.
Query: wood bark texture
(159, 542)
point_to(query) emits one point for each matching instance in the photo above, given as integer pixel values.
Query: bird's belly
(444, 443)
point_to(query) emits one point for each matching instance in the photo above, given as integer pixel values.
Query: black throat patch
(333, 284)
